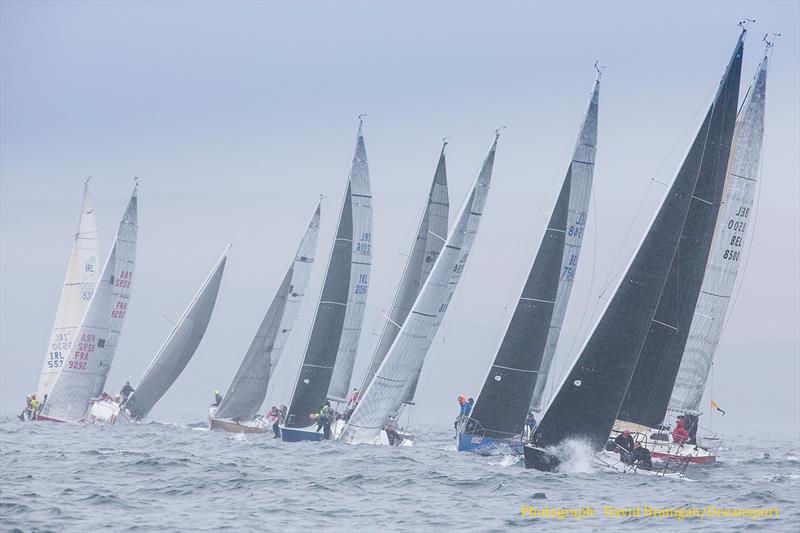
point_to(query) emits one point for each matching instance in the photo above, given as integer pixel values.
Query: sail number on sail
(62, 343)
(739, 227)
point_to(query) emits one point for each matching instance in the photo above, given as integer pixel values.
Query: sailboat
(83, 374)
(171, 359)
(336, 328)
(238, 411)
(401, 367)
(76, 294)
(522, 363)
(687, 384)
(428, 243)
(648, 317)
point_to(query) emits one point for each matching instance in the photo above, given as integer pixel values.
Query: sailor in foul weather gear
(530, 424)
(394, 438)
(126, 391)
(324, 419)
(217, 398)
(641, 457)
(26, 413)
(624, 445)
(679, 434)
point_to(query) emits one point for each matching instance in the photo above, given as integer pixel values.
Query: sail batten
(249, 387)
(403, 362)
(76, 293)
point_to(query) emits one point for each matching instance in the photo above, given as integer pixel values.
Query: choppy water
(176, 477)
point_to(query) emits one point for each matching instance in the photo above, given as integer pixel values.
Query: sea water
(180, 476)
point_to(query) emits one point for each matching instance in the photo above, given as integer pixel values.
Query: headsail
(338, 290)
(178, 349)
(385, 394)
(360, 266)
(249, 387)
(81, 278)
(590, 396)
(428, 244)
(85, 369)
(523, 360)
(734, 218)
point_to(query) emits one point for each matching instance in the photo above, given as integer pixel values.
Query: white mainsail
(249, 387)
(76, 294)
(360, 265)
(734, 219)
(85, 369)
(385, 394)
(178, 349)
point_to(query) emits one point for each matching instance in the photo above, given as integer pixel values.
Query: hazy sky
(237, 116)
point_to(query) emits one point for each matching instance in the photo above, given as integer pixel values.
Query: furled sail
(338, 290)
(360, 265)
(734, 218)
(428, 244)
(385, 394)
(636, 318)
(526, 352)
(78, 289)
(178, 349)
(249, 386)
(85, 369)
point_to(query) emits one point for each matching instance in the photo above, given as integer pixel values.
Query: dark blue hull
(488, 446)
(299, 434)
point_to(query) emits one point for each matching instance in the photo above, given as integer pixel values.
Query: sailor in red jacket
(679, 434)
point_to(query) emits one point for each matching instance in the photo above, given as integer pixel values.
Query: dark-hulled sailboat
(649, 315)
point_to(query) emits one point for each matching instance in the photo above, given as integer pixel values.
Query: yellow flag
(715, 405)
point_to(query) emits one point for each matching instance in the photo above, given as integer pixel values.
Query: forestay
(385, 394)
(431, 234)
(249, 387)
(525, 354)
(590, 396)
(734, 219)
(360, 265)
(85, 369)
(178, 349)
(79, 285)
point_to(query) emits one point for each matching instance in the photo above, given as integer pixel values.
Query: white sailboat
(401, 366)
(79, 284)
(238, 411)
(85, 369)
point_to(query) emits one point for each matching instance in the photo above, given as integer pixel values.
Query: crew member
(26, 413)
(624, 445)
(641, 457)
(679, 434)
(217, 398)
(126, 391)
(530, 423)
(394, 438)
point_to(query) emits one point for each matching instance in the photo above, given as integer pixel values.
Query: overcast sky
(237, 116)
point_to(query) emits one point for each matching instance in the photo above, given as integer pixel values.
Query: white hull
(609, 461)
(106, 412)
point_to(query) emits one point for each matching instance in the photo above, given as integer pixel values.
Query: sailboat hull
(300, 434)
(488, 446)
(540, 459)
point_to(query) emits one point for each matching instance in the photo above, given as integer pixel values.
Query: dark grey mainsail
(324, 342)
(526, 351)
(430, 238)
(589, 398)
(249, 386)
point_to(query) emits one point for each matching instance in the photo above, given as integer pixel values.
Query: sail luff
(591, 393)
(249, 387)
(179, 347)
(76, 293)
(723, 264)
(385, 394)
(424, 252)
(523, 358)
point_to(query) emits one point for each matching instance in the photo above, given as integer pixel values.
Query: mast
(590, 396)
(327, 340)
(431, 233)
(734, 219)
(522, 362)
(180, 346)
(85, 369)
(79, 284)
(385, 394)
(249, 387)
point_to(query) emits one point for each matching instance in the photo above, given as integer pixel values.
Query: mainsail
(339, 291)
(178, 349)
(85, 369)
(249, 387)
(360, 265)
(390, 386)
(637, 318)
(428, 244)
(526, 352)
(78, 289)
(733, 221)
